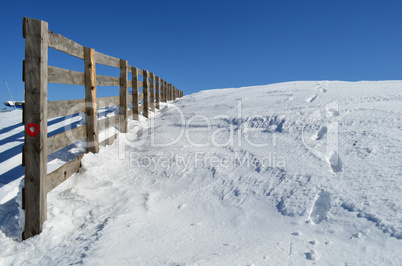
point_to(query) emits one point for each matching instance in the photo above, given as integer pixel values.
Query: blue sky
(199, 45)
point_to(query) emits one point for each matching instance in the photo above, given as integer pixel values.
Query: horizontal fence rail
(37, 110)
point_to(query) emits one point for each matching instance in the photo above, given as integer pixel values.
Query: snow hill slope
(294, 173)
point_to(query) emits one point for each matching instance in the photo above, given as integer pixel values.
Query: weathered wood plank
(91, 108)
(109, 141)
(103, 102)
(107, 81)
(109, 122)
(135, 100)
(62, 140)
(35, 120)
(140, 84)
(61, 174)
(145, 93)
(106, 60)
(64, 108)
(157, 88)
(169, 93)
(163, 90)
(152, 93)
(166, 92)
(61, 43)
(140, 96)
(123, 96)
(65, 76)
(130, 83)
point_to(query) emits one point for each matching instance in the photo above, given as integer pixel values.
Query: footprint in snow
(335, 162)
(311, 99)
(311, 255)
(332, 109)
(321, 207)
(320, 133)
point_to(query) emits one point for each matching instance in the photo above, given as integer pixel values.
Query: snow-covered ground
(294, 173)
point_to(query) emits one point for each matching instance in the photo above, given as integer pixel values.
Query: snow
(294, 173)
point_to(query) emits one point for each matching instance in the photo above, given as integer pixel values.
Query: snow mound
(289, 173)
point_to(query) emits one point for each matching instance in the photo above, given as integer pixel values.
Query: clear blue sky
(198, 45)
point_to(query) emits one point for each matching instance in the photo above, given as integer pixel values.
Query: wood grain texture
(123, 96)
(62, 140)
(61, 43)
(109, 141)
(65, 108)
(152, 92)
(107, 81)
(35, 111)
(61, 174)
(109, 122)
(91, 108)
(103, 102)
(136, 113)
(106, 60)
(157, 89)
(65, 76)
(164, 91)
(145, 93)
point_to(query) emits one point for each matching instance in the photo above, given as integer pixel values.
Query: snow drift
(288, 173)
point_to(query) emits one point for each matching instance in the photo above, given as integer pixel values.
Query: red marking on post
(32, 129)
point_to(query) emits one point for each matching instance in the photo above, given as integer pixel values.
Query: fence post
(171, 91)
(36, 37)
(91, 108)
(164, 91)
(157, 80)
(161, 90)
(136, 114)
(152, 94)
(123, 96)
(145, 93)
(168, 92)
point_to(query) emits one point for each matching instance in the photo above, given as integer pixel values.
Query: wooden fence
(37, 110)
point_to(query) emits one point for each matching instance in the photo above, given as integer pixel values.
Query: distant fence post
(171, 92)
(168, 92)
(123, 96)
(91, 108)
(35, 75)
(157, 79)
(145, 93)
(136, 113)
(161, 90)
(152, 94)
(164, 91)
